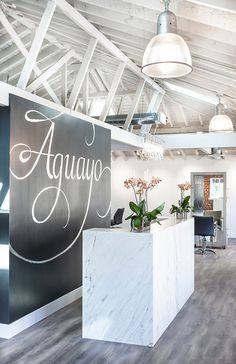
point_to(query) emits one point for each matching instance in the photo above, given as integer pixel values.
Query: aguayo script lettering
(58, 167)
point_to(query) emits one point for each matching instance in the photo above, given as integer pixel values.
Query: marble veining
(134, 284)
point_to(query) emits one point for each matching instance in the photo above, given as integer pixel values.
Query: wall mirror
(209, 199)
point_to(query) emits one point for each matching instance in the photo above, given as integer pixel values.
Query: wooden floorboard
(204, 332)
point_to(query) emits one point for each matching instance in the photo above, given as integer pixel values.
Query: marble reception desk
(134, 284)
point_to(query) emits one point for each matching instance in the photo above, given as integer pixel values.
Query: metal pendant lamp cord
(220, 107)
(166, 4)
(219, 97)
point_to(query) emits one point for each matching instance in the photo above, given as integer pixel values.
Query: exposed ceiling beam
(183, 115)
(36, 44)
(139, 17)
(211, 49)
(97, 81)
(130, 24)
(82, 22)
(50, 71)
(171, 154)
(206, 140)
(104, 94)
(90, 107)
(31, 25)
(166, 111)
(134, 105)
(17, 40)
(182, 153)
(119, 106)
(226, 5)
(112, 91)
(47, 57)
(153, 106)
(152, 102)
(64, 84)
(192, 13)
(200, 119)
(182, 129)
(85, 94)
(208, 88)
(82, 72)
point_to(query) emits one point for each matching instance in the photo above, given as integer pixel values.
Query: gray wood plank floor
(204, 332)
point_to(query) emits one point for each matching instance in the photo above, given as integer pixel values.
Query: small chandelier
(152, 149)
(221, 122)
(167, 54)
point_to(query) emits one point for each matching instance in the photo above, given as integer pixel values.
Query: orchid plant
(184, 202)
(140, 216)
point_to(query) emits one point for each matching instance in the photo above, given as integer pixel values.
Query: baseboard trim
(8, 331)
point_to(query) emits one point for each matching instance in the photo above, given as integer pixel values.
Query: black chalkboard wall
(59, 185)
(4, 215)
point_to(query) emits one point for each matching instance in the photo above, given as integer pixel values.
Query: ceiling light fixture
(221, 122)
(167, 54)
(152, 149)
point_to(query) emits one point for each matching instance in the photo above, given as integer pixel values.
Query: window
(216, 188)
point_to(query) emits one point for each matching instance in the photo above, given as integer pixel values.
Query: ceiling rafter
(85, 94)
(36, 44)
(48, 37)
(192, 13)
(64, 84)
(112, 91)
(82, 22)
(129, 24)
(137, 96)
(50, 71)
(81, 74)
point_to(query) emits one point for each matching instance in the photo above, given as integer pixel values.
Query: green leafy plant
(183, 206)
(140, 217)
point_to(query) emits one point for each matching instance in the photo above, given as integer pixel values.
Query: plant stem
(146, 200)
(135, 196)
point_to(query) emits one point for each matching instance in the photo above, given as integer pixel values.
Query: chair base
(204, 248)
(203, 251)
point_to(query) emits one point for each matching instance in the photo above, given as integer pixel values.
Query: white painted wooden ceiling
(208, 26)
(176, 154)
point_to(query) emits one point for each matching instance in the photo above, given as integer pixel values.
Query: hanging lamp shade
(221, 122)
(167, 54)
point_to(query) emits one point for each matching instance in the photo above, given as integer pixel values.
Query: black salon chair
(117, 218)
(217, 215)
(204, 226)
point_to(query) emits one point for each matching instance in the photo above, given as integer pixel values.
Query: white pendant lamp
(221, 122)
(167, 54)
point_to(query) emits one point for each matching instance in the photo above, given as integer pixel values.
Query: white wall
(172, 172)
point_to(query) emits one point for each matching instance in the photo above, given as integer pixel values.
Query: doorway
(209, 199)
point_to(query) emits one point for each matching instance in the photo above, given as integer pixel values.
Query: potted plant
(141, 218)
(183, 208)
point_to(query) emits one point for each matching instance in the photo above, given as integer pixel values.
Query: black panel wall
(59, 185)
(4, 214)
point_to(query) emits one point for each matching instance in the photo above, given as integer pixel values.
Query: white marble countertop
(166, 222)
